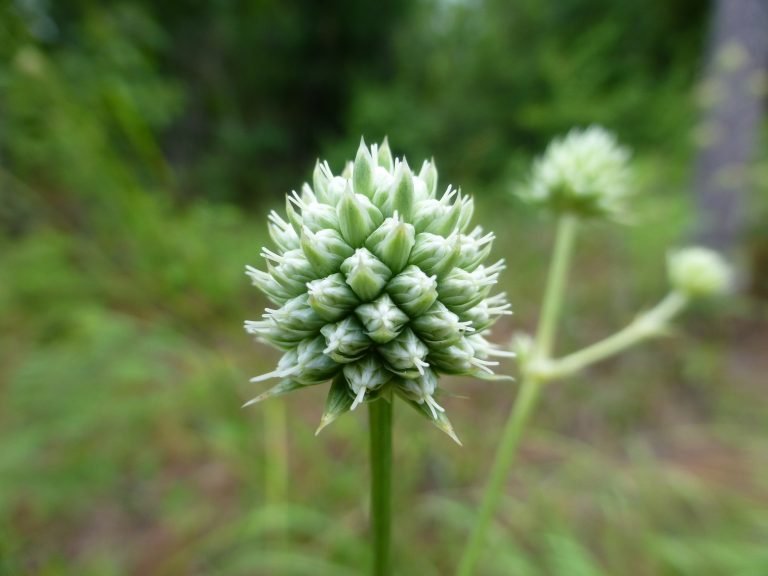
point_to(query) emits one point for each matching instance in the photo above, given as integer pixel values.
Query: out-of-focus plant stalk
(275, 452)
(380, 412)
(650, 324)
(528, 396)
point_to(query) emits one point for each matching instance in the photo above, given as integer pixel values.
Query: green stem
(553, 297)
(505, 457)
(648, 325)
(276, 452)
(526, 399)
(381, 484)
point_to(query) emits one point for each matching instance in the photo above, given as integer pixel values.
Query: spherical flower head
(379, 285)
(585, 174)
(699, 272)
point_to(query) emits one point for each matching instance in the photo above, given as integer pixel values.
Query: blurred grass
(125, 451)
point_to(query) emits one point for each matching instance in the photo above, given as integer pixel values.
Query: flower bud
(325, 250)
(287, 366)
(475, 248)
(466, 211)
(321, 180)
(401, 195)
(461, 290)
(331, 298)
(384, 156)
(485, 313)
(438, 216)
(382, 320)
(422, 389)
(460, 358)
(268, 331)
(365, 274)
(297, 315)
(358, 217)
(336, 189)
(428, 175)
(435, 254)
(291, 270)
(314, 366)
(362, 174)
(267, 284)
(699, 272)
(413, 291)
(345, 340)
(405, 354)
(365, 375)
(283, 234)
(439, 327)
(315, 215)
(392, 243)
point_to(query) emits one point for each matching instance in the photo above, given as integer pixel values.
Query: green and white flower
(584, 174)
(380, 286)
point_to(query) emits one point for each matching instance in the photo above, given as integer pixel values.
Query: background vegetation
(141, 145)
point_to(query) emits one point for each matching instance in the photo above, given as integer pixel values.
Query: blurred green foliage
(140, 146)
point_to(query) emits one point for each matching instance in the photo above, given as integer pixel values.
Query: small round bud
(699, 272)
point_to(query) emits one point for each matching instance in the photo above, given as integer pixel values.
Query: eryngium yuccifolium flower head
(585, 173)
(379, 285)
(699, 272)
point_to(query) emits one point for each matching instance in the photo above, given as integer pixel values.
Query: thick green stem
(505, 457)
(553, 297)
(526, 399)
(381, 484)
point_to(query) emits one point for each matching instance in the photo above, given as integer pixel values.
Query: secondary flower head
(699, 272)
(585, 174)
(379, 285)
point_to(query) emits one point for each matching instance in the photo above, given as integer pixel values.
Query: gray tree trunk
(732, 99)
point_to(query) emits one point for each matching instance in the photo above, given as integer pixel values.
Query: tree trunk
(732, 98)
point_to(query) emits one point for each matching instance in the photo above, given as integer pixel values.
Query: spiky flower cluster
(379, 284)
(585, 173)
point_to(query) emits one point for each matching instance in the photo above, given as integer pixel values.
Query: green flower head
(379, 285)
(585, 174)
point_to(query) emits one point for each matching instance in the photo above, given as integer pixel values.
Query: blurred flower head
(585, 173)
(699, 272)
(379, 285)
